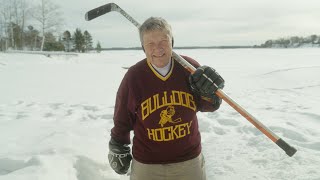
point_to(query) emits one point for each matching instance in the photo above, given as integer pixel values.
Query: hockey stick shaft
(290, 151)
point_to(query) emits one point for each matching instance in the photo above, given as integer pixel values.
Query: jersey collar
(155, 72)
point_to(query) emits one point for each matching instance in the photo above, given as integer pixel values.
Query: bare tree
(7, 16)
(3, 44)
(49, 17)
(13, 14)
(20, 10)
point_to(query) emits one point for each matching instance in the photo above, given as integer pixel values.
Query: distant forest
(181, 47)
(37, 27)
(292, 42)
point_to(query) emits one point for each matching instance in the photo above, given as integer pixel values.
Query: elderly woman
(158, 99)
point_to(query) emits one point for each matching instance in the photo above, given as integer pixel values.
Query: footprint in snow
(313, 146)
(88, 169)
(8, 165)
(228, 122)
(289, 134)
(21, 115)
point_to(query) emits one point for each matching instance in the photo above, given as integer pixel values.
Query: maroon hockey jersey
(161, 111)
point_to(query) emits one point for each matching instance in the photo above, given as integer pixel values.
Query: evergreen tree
(87, 41)
(313, 38)
(78, 41)
(51, 44)
(98, 48)
(67, 41)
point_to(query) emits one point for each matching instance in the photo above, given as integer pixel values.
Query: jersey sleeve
(123, 116)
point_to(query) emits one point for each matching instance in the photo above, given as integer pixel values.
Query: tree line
(79, 42)
(293, 42)
(37, 27)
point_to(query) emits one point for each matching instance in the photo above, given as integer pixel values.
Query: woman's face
(158, 47)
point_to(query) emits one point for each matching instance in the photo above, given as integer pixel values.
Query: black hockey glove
(119, 157)
(205, 81)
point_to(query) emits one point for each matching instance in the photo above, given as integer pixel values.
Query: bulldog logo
(166, 116)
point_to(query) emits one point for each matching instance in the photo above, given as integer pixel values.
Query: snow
(56, 114)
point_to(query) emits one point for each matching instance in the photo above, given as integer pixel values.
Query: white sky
(199, 23)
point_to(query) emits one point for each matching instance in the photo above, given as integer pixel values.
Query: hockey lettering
(164, 99)
(169, 133)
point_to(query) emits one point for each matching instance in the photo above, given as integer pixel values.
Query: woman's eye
(150, 45)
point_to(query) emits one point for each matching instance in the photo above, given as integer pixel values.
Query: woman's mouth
(158, 56)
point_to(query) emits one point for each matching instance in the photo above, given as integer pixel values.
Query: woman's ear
(172, 42)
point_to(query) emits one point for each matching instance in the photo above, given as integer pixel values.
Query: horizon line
(182, 47)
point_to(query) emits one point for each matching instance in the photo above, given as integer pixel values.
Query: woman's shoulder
(190, 60)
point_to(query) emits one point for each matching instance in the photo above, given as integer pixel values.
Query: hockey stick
(290, 151)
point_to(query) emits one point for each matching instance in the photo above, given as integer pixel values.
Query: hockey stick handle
(290, 151)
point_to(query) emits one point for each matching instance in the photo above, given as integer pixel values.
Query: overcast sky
(198, 23)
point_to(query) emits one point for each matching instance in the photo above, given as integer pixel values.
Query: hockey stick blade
(96, 12)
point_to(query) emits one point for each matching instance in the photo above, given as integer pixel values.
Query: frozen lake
(56, 114)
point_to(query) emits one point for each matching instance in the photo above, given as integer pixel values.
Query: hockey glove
(205, 81)
(119, 157)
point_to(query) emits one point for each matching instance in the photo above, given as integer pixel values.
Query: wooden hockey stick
(290, 151)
